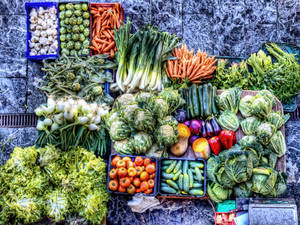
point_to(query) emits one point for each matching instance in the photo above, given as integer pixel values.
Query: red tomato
(137, 182)
(113, 173)
(121, 163)
(151, 183)
(148, 191)
(129, 164)
(122, 172)
(144, 176)
(144, 186)
(139, 170)
(131, 189)
(150, 168)
(113, 185)
(115, 160)
(139, 161)
(126, 159)
(121, 189)
(131, 172)
(147, 161)
(125, 182)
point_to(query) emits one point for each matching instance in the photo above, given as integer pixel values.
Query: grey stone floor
(227, 27)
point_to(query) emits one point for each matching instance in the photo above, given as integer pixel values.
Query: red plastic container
(224, 218)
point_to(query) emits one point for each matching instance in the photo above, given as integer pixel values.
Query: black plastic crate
(182, 195)
(154, 193)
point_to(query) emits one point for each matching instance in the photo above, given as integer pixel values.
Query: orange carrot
(111, 45)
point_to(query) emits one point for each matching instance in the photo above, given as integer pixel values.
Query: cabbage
(228, 120)
(277, 119)
(217, 193)
(277, 144)
(260, 106)
(264, 132)
(268, 95)
(243, 190)
(250, 144)
(249, 125)
(229, 99)
(244, 105)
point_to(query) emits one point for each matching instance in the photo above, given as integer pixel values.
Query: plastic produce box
(222, 218)
(182, 195)
(79, 2)
(36, 5)
(154, 192)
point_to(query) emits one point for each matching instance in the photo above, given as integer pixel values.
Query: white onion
(50, 109)
(51, 102)
(58, 118)
(54, 127)
(68, 115)
(93, 126)
(83, 119)
(97, 119)
(60, 106)
(90, 116)
(71, 101)
(40, 125)
(47, 122)
(94, 107)
(38, 111)
(67, 106)
(86, 109)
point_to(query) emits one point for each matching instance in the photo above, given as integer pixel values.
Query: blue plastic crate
(36, 5)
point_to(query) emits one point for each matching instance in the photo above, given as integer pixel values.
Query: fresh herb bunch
(280, 77)
(35, 183)
(67, 123)
(78, 76)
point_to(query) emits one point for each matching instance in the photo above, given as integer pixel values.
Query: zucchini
(172, 184)
(163, 184)
(163, 168)
(200, 96)
(167, 175)
(187, 106)
(190, 173)
(191, 103)
(195, 100)
(205, 101)
(214, 95)
(176, 175)
(185, 166)
(168, 190)
(178, 166)
(167, 162)
(186, 182)
(196, 191)
(171, 167)
(180, 181)
(198, 174)
(196, 164)
(197, 185)
(210, 94)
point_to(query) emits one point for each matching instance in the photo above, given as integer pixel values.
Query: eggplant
(209, 129)
(193, 138)
(216, 127)
(187, 123)
(204, 133)
(180, 115)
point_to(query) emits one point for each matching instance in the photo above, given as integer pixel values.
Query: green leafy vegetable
(264, 132)
(261, 106)
(229, 99)
(277, 144)
(228, 120)
(277, 119)
(244, 105)
(249, 125)
(218, 193)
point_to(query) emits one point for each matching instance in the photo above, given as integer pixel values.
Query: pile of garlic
(43, 28)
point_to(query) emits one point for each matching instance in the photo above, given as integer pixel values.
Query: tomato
(139, 170)
(131, 179)
(138, 190)
(113, 185)
(144, 176)
(147, 161)
(151, 183)
(113, 173)
(121, 189)
(131, 172)
(139, 161)
(115, 160)
(129, 164)
(148, 191)
(125, 182)
(137, 182)
(152, 176)
(127, 159)
(122, 172)
(150, 168)
(131, 189)
(144, 185)
(121, 163)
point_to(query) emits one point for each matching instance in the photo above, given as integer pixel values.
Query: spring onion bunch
(70, 122)
(141, 57)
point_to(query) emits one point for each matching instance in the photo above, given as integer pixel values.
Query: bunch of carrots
(104, 21)
(190, 66)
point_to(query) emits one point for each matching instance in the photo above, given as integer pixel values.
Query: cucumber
(191, 103)
(205, 100)
(168, 190)
(180, 181)
(178, 166)
(167, 175)
(186, 182)
(163, 184)
(167, 162)
(196, 191)
(171, 167)
(200, 96)
(214, 107)
(198, 174)
(163, 168)
(190, 173)
(176, 175)
(195, 100)
(185, 166)
(210, 94)
(184, 193)
(172, 184)
(197, 185)
(187, 106)
(193, 170)
(196, 164)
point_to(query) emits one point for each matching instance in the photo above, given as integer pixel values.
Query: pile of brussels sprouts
(74, 29)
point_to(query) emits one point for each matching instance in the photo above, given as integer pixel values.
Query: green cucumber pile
(200, 101)
(182, 177)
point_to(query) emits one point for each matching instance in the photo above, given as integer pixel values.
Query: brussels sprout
(264, 132)
(77, 13)
(75, 37)
(85, 51)
(62, 37)
(65, 51)
(76, 29)
(244, 105)
(86, 32)
(81, 37)
(69, 37)
(77, 45)
(84, 7)
(62, 7)
(70, 45)
(62, 30)
(73, 21)
(81, 28)
(86, 44)
(76, 85)
(86, 23)
(79, 20)
(62, 15)
(67, 21)
(69, 29)
(68, 13)
(141, 142)
(62, 23)
(86, 15)
(69, 6)
(73, 52)
(124, 147)
(63, 45)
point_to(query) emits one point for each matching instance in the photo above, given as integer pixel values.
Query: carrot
(167, 71)
(110, 46)
(106, 34)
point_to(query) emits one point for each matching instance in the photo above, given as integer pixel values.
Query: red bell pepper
(227, 138)
(215, 144)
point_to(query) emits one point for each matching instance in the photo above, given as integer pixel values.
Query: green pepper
(86, 15)
(81, 28)
(65, 51)
(62, 15)
(70, 45)
(77, 45)
(67, 20)
(86, 32)
(62, 30)
(77, 13)
(68, 13)
(86, 44)
(84, 7)
(62, 37)
(81, 37)
(62, 7)
(69, 37)
(75, 37)
(86, 23)
(69, 6)
(79, 20)
(85, 51)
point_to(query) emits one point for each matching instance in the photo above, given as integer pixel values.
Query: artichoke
(141, 142)
(244, 105)
(264, 132)
(119, 130)
(249, 125)
(166, 135)
(143, 120)
(124, 147)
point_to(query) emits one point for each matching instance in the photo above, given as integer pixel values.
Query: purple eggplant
(195, 127)
(209, 129)
(204, 133)
(216, 127)
(187, 123)
(180, 115)
(193, 138)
